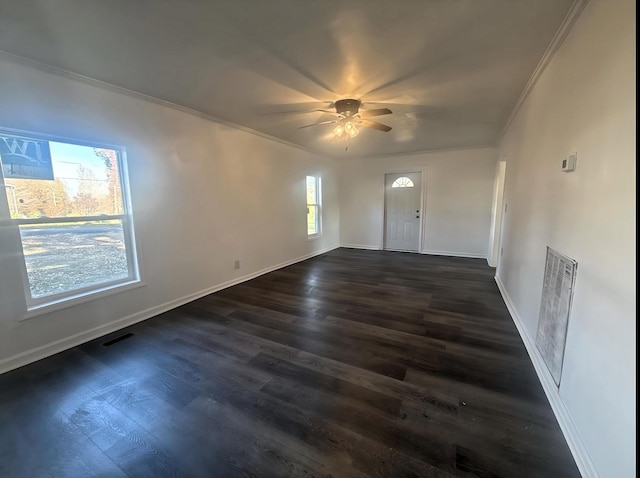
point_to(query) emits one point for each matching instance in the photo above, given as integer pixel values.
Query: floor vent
(117, 339)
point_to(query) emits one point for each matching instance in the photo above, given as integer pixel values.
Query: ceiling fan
(350, 118)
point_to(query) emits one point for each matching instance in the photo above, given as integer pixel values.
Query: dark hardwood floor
(351, 364)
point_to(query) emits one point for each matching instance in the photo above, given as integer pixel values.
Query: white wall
(458, 188)
(584, 102)
(241, 197)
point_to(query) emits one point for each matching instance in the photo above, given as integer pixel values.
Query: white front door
(402, 211)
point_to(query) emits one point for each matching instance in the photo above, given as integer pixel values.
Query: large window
(69, 202)
(314, 211)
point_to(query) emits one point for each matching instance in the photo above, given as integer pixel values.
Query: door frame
(423, 205)
(497, 215)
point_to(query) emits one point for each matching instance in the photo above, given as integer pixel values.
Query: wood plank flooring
(351, 364)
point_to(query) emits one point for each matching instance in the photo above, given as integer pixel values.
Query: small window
(314, 212)
(69, 202)
(402, 182)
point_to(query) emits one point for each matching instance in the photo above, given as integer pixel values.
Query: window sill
(84, 297)
(314, 237)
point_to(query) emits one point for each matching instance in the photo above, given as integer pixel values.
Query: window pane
(64, 257)
(402, 183)
(86, 182)
(311, 190)
(312, 219)
(47, 180)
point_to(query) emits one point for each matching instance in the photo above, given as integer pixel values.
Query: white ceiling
(450, 70)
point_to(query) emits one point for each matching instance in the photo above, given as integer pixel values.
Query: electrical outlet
(237, 264)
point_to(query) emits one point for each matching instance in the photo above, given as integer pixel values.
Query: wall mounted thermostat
(569, 163)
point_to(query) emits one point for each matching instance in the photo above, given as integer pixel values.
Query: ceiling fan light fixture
(350, 119)
(351, 129)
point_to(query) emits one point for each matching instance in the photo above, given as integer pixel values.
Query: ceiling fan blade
(316, 124)
(375, 125)
(376, 112)
(326, 111)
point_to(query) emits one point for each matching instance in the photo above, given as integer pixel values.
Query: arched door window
(402, 182)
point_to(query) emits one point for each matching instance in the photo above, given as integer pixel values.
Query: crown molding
(563, 31)
(417, 153)
(555, 44)
(5, 55)
(46, 68)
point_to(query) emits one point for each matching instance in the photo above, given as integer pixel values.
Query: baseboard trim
(38, 353)
(360, 246)
(427, 252)
(567, 425)
(454, 254)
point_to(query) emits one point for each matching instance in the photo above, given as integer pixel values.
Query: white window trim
(50, 303)
(94, 293)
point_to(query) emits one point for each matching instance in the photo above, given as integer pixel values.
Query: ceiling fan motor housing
(348, 107)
